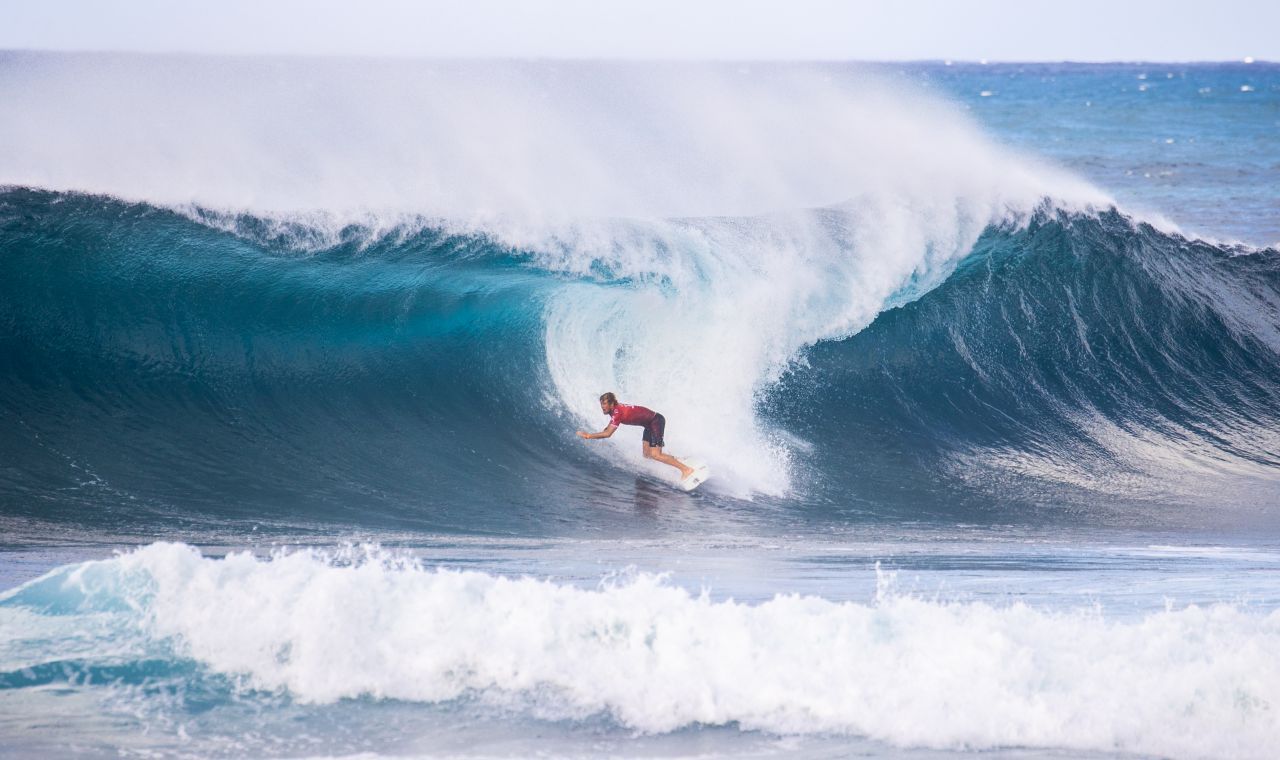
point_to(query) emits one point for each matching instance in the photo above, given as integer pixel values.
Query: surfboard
(700, 475)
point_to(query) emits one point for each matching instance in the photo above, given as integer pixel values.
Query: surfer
(653, 423)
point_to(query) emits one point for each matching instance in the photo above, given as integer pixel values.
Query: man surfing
(654, 425)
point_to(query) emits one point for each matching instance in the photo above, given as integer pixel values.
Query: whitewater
(986, 360)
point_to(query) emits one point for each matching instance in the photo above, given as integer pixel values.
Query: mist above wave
(474, 140)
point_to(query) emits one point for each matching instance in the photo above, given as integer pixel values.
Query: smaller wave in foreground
(1190, 682)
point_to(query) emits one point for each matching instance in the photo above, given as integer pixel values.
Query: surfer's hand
(582, 434)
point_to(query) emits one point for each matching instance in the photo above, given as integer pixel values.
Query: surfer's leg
(652, 442)
(655, 453)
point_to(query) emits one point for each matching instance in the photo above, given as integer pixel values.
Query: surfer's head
(607, 402)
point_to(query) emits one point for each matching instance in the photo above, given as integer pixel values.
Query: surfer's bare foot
(685, 472)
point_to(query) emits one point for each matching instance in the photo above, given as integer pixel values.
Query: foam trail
(1192, 682)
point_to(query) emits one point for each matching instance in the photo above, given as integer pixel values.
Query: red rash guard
(628, 414)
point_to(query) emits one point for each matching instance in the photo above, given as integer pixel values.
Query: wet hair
(612, 399)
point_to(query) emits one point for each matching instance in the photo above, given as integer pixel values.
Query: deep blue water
(1195, 142)
(985, 359)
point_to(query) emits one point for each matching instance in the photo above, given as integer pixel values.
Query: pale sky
(998, 30)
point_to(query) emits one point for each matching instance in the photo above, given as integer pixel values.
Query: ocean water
(985, 360)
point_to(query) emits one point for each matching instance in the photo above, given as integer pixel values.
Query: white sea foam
(694, 185)
(1190, 682)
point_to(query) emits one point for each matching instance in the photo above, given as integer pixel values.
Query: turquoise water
(985, 360)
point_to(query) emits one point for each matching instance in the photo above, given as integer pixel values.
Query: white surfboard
(700, 474)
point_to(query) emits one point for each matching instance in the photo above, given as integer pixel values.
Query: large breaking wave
(391, 291)
(423, 375)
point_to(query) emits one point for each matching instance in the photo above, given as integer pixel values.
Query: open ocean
(985, 360)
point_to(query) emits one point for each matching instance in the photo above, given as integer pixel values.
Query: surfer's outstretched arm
(602, 434)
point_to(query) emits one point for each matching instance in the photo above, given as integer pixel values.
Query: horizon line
(944, 61)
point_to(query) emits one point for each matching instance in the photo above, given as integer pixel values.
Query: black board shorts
(654, 430)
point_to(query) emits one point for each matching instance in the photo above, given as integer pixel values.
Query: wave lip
(1191, 682)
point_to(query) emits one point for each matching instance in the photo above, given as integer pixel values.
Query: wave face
(387, 293)
(1083, 360)
(158, 364)
(240, 632)
(150, 361)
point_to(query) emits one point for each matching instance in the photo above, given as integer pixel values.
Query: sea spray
(505, 144)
